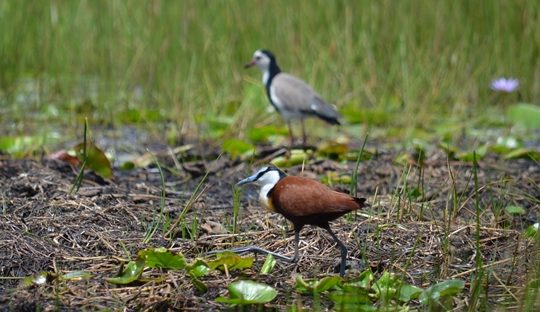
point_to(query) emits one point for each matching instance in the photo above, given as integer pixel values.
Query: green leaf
(532, 230)
(523, 153)
(131, 273)
(527, 115)
(236, 148)
(316, 285)
(97, 160)
(362, 281)
(268, 265)
(515, 210)
(351, 296)
(38, 279)
(76, 275)
(332, 149)
(264, 133)
(162, 258)
(198, 269)
(505, 145)
(443, 289)
(248, 292)
(200, 286)
(297, 157)
(409, 292)
(469, 155)
(231, 260)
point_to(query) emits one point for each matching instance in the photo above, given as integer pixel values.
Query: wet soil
(421, 225)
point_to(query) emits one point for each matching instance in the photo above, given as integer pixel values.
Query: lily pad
(515, 210)
(230, 260)
(131, 273)
(236, 147)
(268, 265)
(162, 258)
(248, 292)
(443, 289)
(523, 153)
(96, 159)
(76, 276)
(527, 115)
(316, 285)
(264, 133)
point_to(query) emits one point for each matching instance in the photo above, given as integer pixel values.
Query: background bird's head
(263, 59)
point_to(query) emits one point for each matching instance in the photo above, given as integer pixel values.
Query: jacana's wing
(294, 94)
(300, 197)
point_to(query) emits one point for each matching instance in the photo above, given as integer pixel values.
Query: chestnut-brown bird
(302, 201)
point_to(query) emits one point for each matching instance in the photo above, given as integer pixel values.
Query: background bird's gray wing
(296, 95)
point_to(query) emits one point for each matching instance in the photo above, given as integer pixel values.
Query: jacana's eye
(257, 57)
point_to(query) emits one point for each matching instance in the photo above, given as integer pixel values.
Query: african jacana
(291, 96)
(302, 201)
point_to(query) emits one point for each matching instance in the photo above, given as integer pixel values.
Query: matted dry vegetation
(45, 228)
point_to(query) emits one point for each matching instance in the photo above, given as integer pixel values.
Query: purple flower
(504, 84)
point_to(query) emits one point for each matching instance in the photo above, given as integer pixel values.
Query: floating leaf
(200, 286)
(443, 289)
(469, 155)
(297, 157)
(236, 147)
(38, 279)
(96, 159)
(76, 275)
(248, 292)
(523, 153)
(351, 296)
(198, 269)
(332, 149)
(131, 273)
(527, 115)
(231, 260)
(264, 133)
(19, 144)
(532, 230)
(363, 281)
(268, 265)
(162, 258)
(515, 210)
(316, 285)
(409, 292)
(505, 145)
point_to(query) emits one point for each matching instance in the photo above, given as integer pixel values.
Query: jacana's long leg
(341, 246)
(256, 249)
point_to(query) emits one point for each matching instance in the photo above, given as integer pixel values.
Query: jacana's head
(264, 176)
(263, 59)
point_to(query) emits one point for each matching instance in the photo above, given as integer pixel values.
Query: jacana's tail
(361, 202)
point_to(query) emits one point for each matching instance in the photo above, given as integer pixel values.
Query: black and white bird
(291, 97)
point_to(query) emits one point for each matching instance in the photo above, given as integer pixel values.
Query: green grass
(420, 61)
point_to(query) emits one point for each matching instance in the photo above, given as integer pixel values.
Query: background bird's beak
(248, 65)
(247, 180)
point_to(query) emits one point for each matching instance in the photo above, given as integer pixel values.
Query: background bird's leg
(290, 132)
(341, 246)
(304, 138)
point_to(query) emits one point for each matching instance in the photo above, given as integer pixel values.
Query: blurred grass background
(414, 62)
